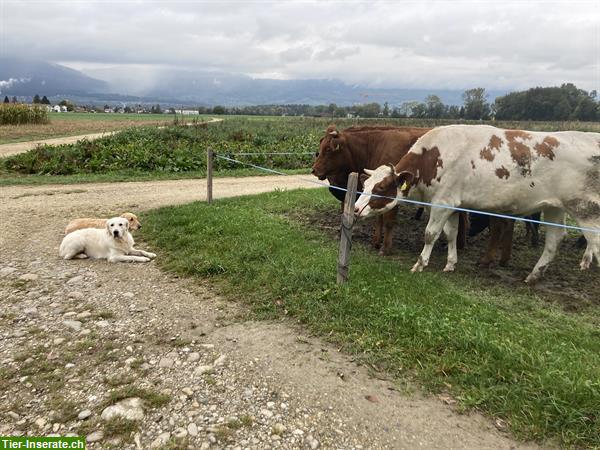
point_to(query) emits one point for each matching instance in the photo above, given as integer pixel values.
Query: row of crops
(183, 148)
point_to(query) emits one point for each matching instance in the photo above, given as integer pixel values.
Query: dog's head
(117, 227)
(134, 223)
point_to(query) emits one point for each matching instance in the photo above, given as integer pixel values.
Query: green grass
(509, 355)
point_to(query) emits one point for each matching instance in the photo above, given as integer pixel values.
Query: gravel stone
(129, 408)
(95, 436)
(74, 325)
(84, 414)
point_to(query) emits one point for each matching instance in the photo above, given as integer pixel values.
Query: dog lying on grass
(113, 243)
(78, 224)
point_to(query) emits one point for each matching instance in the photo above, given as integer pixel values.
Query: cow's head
(330, 157)
(381, 187)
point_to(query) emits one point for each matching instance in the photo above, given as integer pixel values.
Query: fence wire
(414, 202)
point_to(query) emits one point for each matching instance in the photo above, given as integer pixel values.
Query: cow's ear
(337, 143)
(404, 181)
(363, 177)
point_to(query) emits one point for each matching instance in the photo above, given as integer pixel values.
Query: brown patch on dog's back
(520, 153)
(545, 147)
(487, 152)
(502, 172)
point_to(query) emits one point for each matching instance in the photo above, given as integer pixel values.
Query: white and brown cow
(505, 171)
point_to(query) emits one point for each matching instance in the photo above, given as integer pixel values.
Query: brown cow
(357, 148)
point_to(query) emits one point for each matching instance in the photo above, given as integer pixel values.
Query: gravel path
(22, 147)
(86, 344)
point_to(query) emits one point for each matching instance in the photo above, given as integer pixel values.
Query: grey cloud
(388, 44)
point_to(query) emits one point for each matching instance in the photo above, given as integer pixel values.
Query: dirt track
(22, 147)
(72, 331)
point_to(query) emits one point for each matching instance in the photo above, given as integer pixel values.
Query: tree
(386, 109)
(435, 109)
(331, 109)
(14, 100)
(155, 109)
(36, 99)
(419, 111)
(476, 105)
(586, 109)
(220, 110)
(70, 106)
(6, 100)
(45, 100)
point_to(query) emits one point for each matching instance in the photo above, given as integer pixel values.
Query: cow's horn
(369, 171)
(333, 133)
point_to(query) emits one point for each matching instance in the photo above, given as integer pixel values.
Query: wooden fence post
(347, 224)
(209, 175)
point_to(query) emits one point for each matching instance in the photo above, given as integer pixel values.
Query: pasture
(481, 338)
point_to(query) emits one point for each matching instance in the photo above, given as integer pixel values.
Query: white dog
(113, 243)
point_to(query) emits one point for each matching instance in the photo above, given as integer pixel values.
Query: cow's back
(384, 145)
(507, 169)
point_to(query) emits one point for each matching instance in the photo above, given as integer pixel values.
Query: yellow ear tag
(404, 186)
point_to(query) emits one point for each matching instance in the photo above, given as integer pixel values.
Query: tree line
(566, 102)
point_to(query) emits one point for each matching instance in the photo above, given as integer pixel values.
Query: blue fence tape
(419, 203)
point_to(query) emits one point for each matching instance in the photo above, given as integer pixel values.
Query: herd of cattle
(478, 167)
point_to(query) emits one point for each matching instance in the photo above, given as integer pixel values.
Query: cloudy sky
(438, 44)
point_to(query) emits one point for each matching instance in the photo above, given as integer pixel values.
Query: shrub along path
(76, 336)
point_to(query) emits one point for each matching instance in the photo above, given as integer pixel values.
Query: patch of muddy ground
(564, 284)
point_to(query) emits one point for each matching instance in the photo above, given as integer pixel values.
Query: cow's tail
(463, 228)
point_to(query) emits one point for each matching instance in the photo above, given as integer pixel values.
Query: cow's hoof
(417, 268)
(382, 252)
(503, 263)
(532, 279)
(585, 264)
(449, 268)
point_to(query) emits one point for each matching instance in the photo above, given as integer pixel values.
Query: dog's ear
(107, 228)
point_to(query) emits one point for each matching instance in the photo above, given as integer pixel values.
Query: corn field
(17, 114)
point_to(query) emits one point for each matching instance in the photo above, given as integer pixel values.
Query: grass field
(73, 124)
(496, 348)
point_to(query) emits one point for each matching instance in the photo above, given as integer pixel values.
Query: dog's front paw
(150, 255)
(144, 259)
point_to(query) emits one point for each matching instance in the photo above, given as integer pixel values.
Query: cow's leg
(389, 221)
(437, 220)
(463, 229)
(496, 230)
(553, 237)
(451, 231)
(506, 242)
(533, 229)
(584, 212)
(593, 244)
(377, 231)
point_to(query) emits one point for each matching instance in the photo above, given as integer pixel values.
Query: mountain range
(27, 78)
